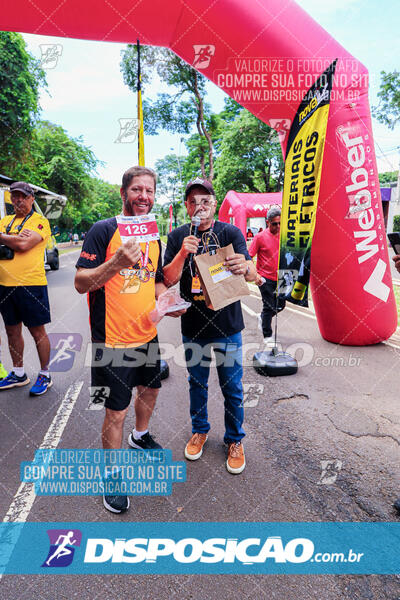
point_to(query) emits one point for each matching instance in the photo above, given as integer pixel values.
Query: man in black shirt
(203, 328)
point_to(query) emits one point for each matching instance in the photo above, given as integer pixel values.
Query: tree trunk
(267, 178)
(201, 152)
(201, 127)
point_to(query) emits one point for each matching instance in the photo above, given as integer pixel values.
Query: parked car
(51, 257)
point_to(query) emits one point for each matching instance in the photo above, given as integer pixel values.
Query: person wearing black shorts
(123, 280)
(119, 370)
(23, 286)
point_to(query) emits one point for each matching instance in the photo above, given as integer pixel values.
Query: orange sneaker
(236, 461)
(194, 447)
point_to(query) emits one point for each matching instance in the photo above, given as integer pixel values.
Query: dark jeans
(228, 354)
(270, 308)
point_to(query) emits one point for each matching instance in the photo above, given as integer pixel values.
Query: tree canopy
(248, 157)
(388, 177)
(388, 109)
(179, 110)
(20, 80)
(62, 163)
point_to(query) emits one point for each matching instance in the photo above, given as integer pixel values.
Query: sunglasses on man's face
(274, 224)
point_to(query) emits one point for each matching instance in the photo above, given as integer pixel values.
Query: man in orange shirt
(122, 281)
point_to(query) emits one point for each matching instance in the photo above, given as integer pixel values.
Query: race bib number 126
(142, 229)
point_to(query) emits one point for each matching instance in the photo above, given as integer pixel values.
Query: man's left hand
(236, 263)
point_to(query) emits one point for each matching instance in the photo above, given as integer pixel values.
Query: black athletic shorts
(27, 304)
(119, 370)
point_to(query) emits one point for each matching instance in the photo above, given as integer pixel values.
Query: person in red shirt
(265, 246)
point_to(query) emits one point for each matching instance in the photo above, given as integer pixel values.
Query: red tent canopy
(239, 207)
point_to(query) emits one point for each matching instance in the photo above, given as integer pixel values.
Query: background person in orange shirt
(265, 246)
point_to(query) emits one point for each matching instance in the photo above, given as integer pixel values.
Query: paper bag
(220, 287)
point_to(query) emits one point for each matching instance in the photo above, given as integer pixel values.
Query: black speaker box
(274, 363)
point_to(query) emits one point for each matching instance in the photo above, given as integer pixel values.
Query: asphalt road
(342, 406)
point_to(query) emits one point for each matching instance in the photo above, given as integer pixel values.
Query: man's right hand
(260, 280)
(190, 245)
(127, 254)
(396, 259)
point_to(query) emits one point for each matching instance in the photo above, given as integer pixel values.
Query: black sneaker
(116, 504)
(146, 442)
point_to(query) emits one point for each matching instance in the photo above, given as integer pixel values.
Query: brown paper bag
(220, 287)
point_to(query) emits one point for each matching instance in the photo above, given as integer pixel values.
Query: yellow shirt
(26, 268)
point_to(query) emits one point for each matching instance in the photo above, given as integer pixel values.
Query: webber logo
(248, 551)
(363, 205)
(62, 547)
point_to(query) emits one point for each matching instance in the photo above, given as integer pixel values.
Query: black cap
(199, 182)
(21, 186)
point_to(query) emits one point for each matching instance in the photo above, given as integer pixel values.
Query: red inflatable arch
(266, 54)
(237, 207)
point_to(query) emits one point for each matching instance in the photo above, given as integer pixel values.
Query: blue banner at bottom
(163, 548)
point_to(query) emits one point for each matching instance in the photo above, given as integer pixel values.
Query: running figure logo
(98, 396)
(62, 350)
(252, 393)
(202, 55)
(281, 126)
(128, 130)
(54, 207)
(62, 547)
(50, 55)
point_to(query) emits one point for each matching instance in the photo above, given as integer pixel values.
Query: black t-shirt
(200, 321)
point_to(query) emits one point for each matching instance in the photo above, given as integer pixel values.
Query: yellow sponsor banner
(303, 167)
(302, 181)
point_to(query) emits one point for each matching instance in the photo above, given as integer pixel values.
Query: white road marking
(23, 500)
(391, 344)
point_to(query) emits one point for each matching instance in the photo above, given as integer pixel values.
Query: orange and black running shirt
(119, 311)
